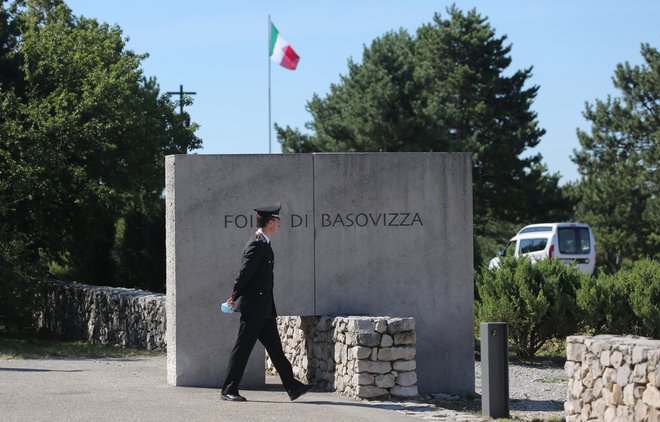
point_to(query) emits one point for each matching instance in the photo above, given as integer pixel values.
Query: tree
(83, 135)
(444, 89)
(618, 162)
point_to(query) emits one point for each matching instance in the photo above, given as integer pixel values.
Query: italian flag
(280, 50)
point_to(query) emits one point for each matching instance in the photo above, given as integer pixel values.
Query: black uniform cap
(272, 210)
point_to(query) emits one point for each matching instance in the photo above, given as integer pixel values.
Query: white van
(572, 243)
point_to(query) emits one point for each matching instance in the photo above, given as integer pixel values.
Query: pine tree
(618, 162)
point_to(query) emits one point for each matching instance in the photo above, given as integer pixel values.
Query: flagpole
(270, 34)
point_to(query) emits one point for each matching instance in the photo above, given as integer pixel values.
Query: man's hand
(231, 302)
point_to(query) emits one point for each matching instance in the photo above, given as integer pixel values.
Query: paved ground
(136, 390)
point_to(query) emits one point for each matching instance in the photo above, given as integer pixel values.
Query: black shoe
(300, 390)
(232, 397)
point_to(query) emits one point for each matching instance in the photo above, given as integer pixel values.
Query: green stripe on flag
(273, 38)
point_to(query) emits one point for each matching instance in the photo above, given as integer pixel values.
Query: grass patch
(45, 348)
(552, 380)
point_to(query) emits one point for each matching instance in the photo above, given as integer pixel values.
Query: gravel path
(535, 392)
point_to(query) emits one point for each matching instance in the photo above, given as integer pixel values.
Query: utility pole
(181, 93)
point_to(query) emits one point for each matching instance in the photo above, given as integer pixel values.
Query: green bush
(604, 304)
(627, 302)
(537, 301)
(20, 285)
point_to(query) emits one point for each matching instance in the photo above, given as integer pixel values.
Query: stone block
(368, 339)
(385, 354)
(404, 338)
(386, 341)
(340, 354)
(397, 325)
(624, 414)
(406, 379)
(373, 367)
(403, 353)
(588, 395)
(370, 392)
(639, 354)
(361, 352)
(362, 379)
(317, 351)
(623, 375)
(596, 368)
(360, 325)
(653, 357)
(575, 351)
(404, 365)
(628, 395)
(610, 414)
(586, 412)
(349, 338)
(324, 323)
(639, 373)
(609, 377)
(588, 380)
(641, 411)
(570, 368)
(380, 326)
(598, 386)
(404, 392)
(616, 359)
(651, 397)
(605, 358)
(573, 407)
(576, 389)
(385, 381)
(613, 396)
(598, 407)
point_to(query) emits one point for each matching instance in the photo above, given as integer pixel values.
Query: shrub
(604, 305)
(537, 301)
(644, 280)
(627, 302)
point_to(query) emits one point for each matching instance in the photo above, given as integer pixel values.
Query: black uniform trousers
(265, 330)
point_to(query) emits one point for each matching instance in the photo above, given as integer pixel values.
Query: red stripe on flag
(290, 59)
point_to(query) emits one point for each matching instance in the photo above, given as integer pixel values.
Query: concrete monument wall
(380, 234)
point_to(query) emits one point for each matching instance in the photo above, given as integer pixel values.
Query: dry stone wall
(364, 357)
(105, 315)
(612, 378)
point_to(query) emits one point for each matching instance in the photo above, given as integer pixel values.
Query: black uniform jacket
(253, 289)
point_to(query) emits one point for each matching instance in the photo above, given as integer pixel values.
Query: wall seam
(314, 225)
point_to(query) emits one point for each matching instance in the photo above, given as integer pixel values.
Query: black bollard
(494, 370)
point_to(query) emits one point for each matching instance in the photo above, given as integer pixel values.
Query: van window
(532, 245)
(536, 229)
(574, 240)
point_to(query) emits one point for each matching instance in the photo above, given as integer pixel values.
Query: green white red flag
(280, 50)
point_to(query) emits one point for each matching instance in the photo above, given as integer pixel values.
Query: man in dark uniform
(253, 297)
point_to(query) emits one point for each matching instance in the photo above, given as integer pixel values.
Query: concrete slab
(394, 237)
(210, 217)
(386, 234)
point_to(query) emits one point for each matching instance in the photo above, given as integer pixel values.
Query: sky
(219, 49)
